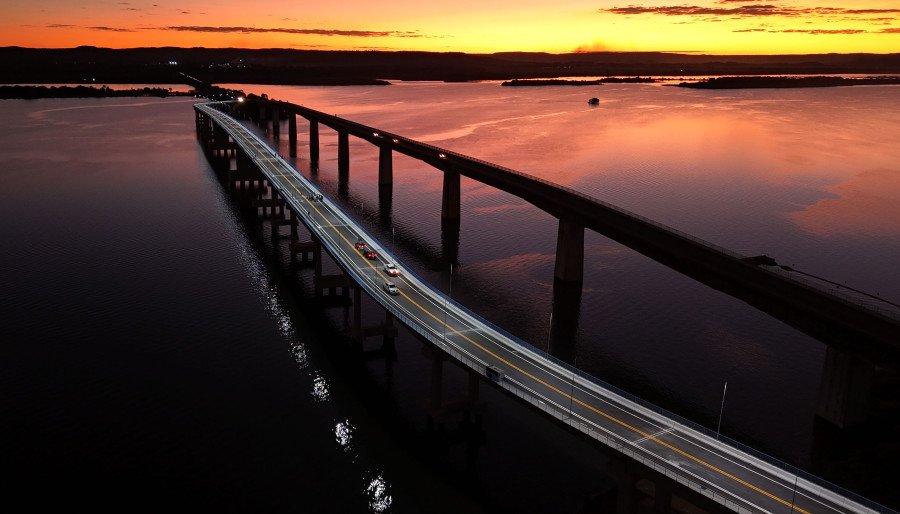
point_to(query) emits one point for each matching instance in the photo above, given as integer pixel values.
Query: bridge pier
(566, 315)
(450, 199)
(313, 146)
(438, 408)
(639, 488)
(385, 166)
(276, 123)
(245, 174)
(359, 333)
(569, 252)
(343, 157)
(846, 390)
(292, 134)
(385, 205)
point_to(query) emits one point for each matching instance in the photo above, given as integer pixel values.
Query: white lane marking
(652, 436)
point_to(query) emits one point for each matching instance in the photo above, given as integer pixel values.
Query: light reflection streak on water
(378, 491)
(343, 434)
(269, 293)
(320, 388)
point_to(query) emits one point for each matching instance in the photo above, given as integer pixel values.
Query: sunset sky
(706, 26)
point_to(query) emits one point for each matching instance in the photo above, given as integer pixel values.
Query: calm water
(163, 354)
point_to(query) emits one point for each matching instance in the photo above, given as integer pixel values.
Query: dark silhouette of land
(562, 82)
(282, 66)
(33, 92)
(786, 82)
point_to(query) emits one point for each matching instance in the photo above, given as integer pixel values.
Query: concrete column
(385, 166)
(846, 390)
(292, 134)
(570, 252)
(450, 201)
(343, 156)
(276, 123)
(313, 145)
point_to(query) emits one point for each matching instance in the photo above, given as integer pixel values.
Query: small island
(564, 82)
(756, 82)
(35, 92)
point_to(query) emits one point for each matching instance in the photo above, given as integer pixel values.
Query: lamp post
(721, 410)
(549, 331)
(449, 295)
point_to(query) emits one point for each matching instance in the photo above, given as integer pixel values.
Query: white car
(391, 288)
(391, 270)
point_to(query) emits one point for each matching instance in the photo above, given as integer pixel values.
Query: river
(165, 352)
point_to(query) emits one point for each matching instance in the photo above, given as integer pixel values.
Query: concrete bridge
(668, 450)
(858, 333)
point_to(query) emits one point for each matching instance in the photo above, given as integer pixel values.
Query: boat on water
(594, 101)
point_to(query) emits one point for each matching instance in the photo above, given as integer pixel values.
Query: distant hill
(284, 66)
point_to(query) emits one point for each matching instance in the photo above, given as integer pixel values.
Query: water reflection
(320, 388)
(867, 204)
(378, 491)
(343, 434)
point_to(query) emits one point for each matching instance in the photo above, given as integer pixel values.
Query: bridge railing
(560, 412)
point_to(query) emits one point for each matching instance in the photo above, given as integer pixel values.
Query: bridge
(695, 459)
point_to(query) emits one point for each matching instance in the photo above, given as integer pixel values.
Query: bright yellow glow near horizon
(704, 26)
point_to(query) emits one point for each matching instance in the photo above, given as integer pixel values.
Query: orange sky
(707, 26)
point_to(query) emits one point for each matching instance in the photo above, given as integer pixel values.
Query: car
(391, 270)
(360, 244)
(391, 288)
(370, 254)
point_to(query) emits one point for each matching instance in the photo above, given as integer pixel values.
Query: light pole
(794, 497)
(549, 331)
(721, 410)
(449, 294)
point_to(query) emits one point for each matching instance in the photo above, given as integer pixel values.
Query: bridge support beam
(438, 408)
(276, 123)
(313, 146)
(385, 166)
(450, 200)
(566, 315)
(846, 390)
(292, 134)
(359, 333)
(343, 156)
(569, 252)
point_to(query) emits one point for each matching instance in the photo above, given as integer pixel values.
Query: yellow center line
(566, 395)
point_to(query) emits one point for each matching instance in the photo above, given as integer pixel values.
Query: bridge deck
(736, 479)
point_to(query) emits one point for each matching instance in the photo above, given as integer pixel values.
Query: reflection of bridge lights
(442, 156)
(379, 499)
(343, 433)
(320, 389)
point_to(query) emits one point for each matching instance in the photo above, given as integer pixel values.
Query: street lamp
(721, 410)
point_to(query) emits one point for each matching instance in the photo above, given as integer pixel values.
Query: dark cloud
(317, 32)
(892, 30)
(751, 10)
(111, 29)
(59, 26)
(816, 32)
